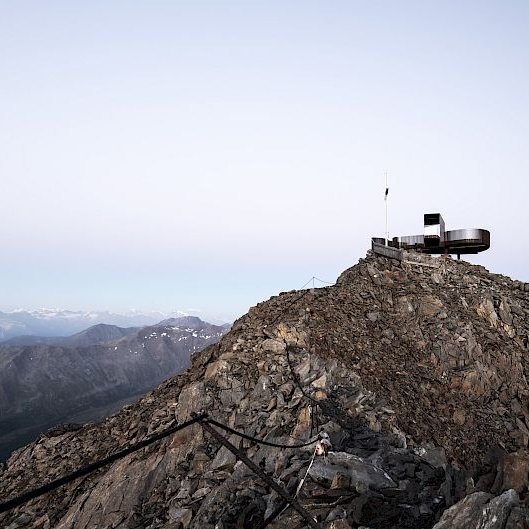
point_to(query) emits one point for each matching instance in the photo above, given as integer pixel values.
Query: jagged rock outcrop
(483, 511)
(416, 370)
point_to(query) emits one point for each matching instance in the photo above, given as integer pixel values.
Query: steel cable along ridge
(260, 441)
(199, 417)
(196, 417)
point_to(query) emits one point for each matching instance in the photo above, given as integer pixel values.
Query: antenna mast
(386, 204)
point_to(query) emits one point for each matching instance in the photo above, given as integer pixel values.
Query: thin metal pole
(386, 203)
(260, 472)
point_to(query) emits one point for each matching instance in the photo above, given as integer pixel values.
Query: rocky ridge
(416, 369)
(81, 377)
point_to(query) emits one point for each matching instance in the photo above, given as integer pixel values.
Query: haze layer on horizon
(166, 155)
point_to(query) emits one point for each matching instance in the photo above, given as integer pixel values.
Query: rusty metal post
(262, 474)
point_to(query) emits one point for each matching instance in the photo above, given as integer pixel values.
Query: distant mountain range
(56, 322)
(46, 381)
(93, 335)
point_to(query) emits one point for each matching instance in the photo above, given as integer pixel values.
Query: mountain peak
(58, 322)
(414, 368)
(192, 322)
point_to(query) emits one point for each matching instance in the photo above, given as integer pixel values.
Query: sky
(206, 155)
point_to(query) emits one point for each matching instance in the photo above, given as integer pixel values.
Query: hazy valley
(45, 381)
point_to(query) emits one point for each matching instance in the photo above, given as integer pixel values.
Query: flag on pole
(387, 191)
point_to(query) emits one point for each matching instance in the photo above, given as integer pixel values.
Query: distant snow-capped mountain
(57, 322)
(45, 381)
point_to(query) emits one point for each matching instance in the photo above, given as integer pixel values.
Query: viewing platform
(436, 240)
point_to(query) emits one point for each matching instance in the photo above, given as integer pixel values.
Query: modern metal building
(436, 240)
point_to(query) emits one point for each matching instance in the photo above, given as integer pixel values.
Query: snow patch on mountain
(59, 322)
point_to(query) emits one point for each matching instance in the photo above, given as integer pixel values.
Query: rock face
(416, 370)
(90, 373)
(481, 510)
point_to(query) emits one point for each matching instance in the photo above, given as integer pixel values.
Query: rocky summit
(410, 377)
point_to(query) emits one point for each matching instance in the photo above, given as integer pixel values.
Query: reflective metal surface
(434, 229)
(409, 241)
(473, 234)
(465, 241)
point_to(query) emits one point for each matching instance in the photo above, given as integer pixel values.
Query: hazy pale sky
(207, 155)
